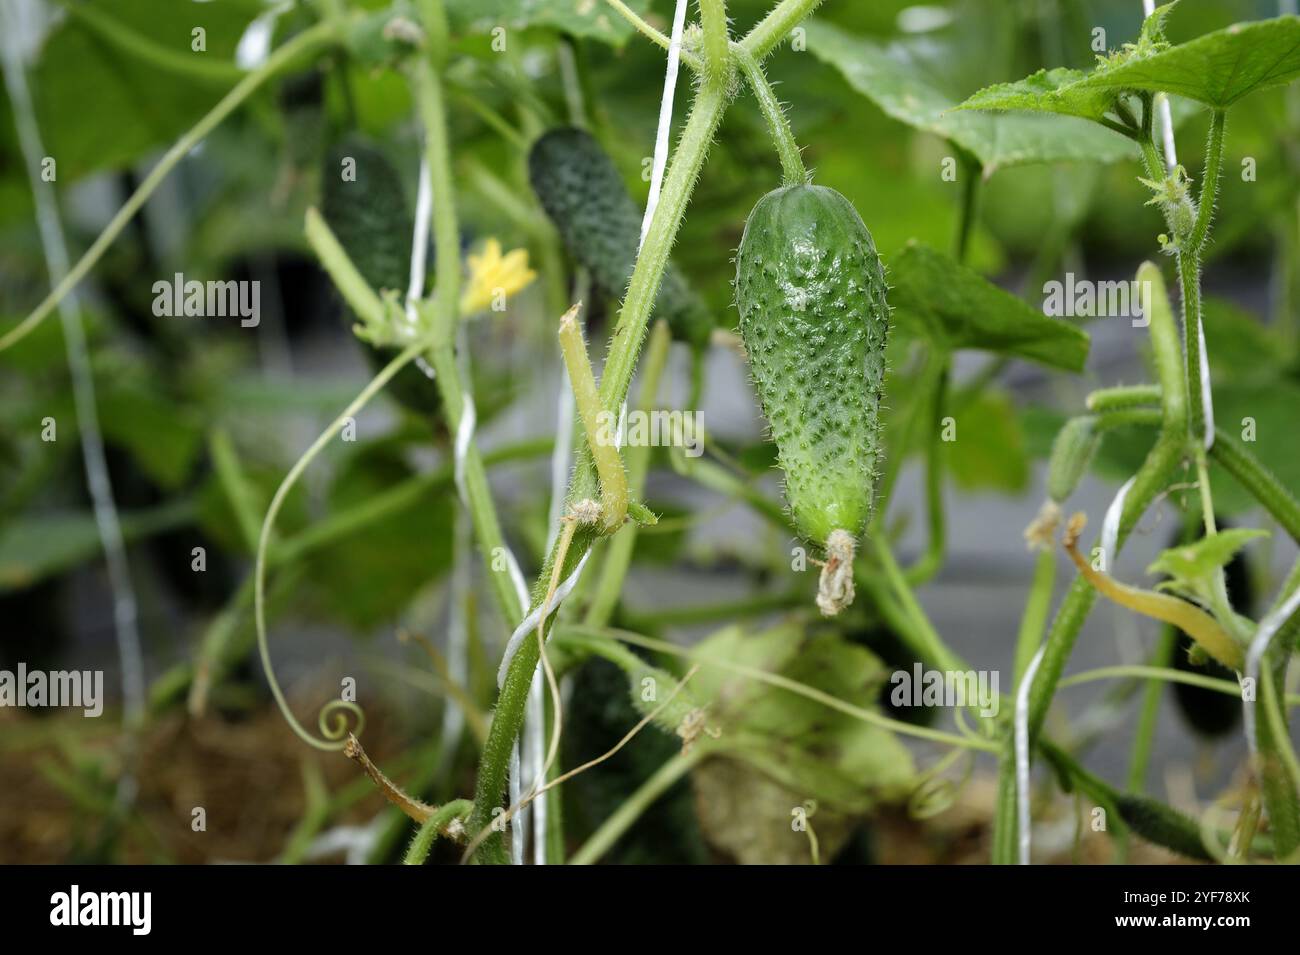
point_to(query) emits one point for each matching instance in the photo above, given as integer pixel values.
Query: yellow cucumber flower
(494, 277)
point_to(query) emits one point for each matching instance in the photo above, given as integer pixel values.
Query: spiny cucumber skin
(1163, 826)
(811, 292)
(372, 221)
(600, 224)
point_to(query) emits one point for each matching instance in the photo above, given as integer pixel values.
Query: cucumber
(372, 221)
(814, 319)
(1163, 826)
(600, 224)
(599, 716)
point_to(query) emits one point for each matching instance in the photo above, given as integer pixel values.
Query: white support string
(464, 436)
(530, 622)
(18, 23)
(1022, 755)
(1110, 525)
(519, 824)
(534, 617)
(660, 163)
(1268, 627)
(665, 119)
(533, 763)
(420, 255)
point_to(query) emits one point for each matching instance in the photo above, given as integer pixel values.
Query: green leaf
(589, 19)
(821, 753)
(1216, 69)
(958, 308)
(33, 548)
(895, 78)
(989, 452)
(1192, 566)
(1244, 348)
(1049, 91)
(100, 107)
(163, 436)
(371, 577)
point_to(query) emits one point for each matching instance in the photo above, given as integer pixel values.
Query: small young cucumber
(370, 217)
(600, 224)
(811, 292)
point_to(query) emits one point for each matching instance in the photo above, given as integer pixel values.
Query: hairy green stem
(713, 23)
(1151, 479)
(650, 33)
(618, 556)
(600, 440)
(769, 32)
(433, 827)
(1209, 184)
(706, 113)
(1123, 398)
(679, 182)
(1258, 481)
(778, 124)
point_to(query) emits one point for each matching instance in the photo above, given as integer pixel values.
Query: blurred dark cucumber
(600, 224)
(599, 715)
(1208, 713)
(369, 215)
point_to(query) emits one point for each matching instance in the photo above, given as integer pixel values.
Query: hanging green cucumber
(600, 224)
(365, 206)
(811, 292)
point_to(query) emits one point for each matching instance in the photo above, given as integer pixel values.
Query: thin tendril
(334, 732)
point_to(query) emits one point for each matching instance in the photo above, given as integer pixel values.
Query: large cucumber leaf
(1217, 70)
(102, 107)
(899, 80)
(958, 308)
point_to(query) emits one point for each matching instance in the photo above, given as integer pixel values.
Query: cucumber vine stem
(618, 556)
(713, 23)
(426, 86)
(706, 112)
(778, 123)
(769, 32)
(601, 441)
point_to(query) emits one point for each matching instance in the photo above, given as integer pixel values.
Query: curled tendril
(936, 793)
(334, 732)
(337, 728)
